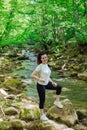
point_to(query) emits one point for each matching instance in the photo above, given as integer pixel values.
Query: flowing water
(75, 90)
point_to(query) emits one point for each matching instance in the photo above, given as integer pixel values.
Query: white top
(44, 73)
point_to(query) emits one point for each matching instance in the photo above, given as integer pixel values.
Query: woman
(42, 75)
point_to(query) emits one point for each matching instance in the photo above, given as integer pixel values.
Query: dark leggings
(41, 92)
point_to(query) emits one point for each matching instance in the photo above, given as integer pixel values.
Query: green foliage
(52, 22)
(57, 49)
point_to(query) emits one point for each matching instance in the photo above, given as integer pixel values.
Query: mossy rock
(39, 125)
(13, 85)
(11, 111)
(29, 114)
(82, 114)
(11, 53)
(2, 77)
(83, 76)
(80, 126)
(18, 124)
(13, 82)
(67, 115)
(46, 125)
(4, 125)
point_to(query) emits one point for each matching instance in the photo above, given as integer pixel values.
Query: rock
(80, 127)
(10, 53)
(84, 121)
(67, 74)
(67, 115)
(15, 76)
(20, 68)
(65, 89)
(23, 57)
(70, 74)
(81, 113)
(13, 85)
(27, 81)
(29, 112)
(6, 65)
(1, 119)
(47, 125)
(11, 96)
(28, 109)
(11, 117)
(73, 74)
(2, 77)
(68, 129)
(5, 125)
(17, 124)
(83, 76)
(52, 64)
(11, 111)
(3, 92)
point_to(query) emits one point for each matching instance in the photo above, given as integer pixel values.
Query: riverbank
(71, 63)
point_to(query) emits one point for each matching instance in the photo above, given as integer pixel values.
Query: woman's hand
(41, 80)
(54, 84)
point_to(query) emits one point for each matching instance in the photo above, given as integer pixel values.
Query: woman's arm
(34, 76)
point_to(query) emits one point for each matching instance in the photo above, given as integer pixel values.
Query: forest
(53, 23)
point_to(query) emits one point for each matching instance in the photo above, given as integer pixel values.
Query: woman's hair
(39, 57)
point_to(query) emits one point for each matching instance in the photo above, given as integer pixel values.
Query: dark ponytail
(39, 57)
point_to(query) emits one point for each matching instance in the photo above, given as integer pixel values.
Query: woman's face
(44, 59)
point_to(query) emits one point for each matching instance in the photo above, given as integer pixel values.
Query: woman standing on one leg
(42, 75)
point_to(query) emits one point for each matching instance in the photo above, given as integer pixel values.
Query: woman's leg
(58, 92)
(58, 89)
(41, 93)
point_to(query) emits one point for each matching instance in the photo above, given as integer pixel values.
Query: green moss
(12, 85)
(29, 114)
(17, 124)
(5, 125)
(36, 112)
(11, 82)
(25, 114)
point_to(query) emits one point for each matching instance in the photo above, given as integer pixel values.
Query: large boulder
(27, 108)
(67, 115)
(29, 112)
(46, 125)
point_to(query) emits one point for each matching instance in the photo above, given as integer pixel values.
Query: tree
(49, 23)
